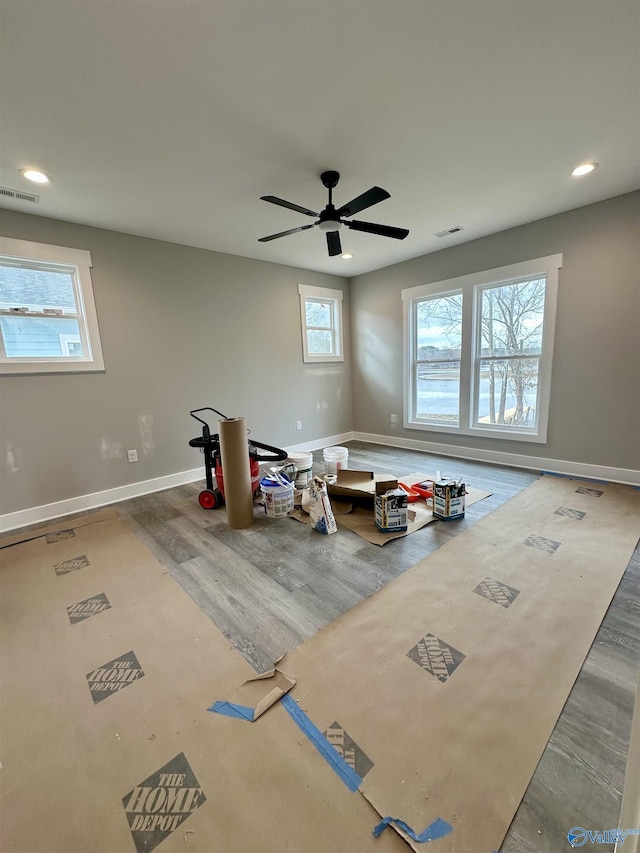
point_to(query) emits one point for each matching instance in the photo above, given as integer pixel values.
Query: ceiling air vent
(449, 231)
(21, 196)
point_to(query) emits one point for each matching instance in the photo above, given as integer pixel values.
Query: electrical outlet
(298, 424)
(394, 419)
(132, 455)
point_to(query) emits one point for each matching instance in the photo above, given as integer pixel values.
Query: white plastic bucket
(303, 463)
(278, 497)
(335, 458)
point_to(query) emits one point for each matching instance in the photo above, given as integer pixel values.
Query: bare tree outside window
(507, 360)
(479, 351)
(439, 344)
(510, 348)
(319, 317)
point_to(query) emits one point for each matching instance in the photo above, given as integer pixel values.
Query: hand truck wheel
(210, 498)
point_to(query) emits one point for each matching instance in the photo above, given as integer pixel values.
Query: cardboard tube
(234, 451)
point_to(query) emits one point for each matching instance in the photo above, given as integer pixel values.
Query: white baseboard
(330, 441)
(47, 512)
(601, 473)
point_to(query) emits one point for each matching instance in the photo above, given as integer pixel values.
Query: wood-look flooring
(269, 587)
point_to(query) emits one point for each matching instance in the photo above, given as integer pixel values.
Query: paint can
(278, 496)
(303, 464)
(335, 459)
(448, 499)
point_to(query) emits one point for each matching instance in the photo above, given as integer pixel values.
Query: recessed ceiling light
(36, 176)
(346, 255)
(584, 169)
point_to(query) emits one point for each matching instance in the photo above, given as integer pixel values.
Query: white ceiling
(169, 119)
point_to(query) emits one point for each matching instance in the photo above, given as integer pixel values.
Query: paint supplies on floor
(278, 493)
(448, 499)
(322, 517)
(390, 508)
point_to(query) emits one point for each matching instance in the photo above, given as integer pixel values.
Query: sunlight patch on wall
(145, 426)
(111, 449)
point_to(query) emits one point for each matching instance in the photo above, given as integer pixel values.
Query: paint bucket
(278, 496)
(448, 499)
(303, 463)
(335, 458)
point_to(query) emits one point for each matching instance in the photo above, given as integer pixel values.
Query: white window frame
(334, 299)
(471, 287)
(79, 261)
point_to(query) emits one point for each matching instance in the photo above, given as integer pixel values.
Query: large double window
(479, 350)
(48, 320)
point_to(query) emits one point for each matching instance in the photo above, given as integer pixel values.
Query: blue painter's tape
(575, 477)
(230, 709)
(438, 829)
(344, 771)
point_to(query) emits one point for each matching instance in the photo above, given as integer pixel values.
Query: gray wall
(181, 328)
(595, 397)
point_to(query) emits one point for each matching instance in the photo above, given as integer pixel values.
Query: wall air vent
(449, 231)
(18, 194)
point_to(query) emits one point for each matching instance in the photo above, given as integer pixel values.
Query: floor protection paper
(444, 687)
(432, 700)
(107, 743)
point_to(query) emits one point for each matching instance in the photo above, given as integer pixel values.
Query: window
(48, 321)
(321, 313)
(479, 349)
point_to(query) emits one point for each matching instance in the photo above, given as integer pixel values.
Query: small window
(321, 313)
(48, 321)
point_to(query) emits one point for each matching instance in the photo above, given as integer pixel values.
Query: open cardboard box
(359, 484)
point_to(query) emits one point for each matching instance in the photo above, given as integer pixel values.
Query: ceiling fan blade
(381, 230)
(284, 233)
(333, 243)
(372, 196)
(275, 200)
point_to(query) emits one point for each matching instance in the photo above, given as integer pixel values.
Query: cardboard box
(390, 508)
(448, 499)
(359, 484)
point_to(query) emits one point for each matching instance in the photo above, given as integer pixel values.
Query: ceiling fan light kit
(330, 220)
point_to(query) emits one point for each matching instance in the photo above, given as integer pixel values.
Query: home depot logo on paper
(59, 536)
(114, 676)
(157, 806)
(89, 607)
(436, 656)
(498, 592)
(346, 747)
(71, 565)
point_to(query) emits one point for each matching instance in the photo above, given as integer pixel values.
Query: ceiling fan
(331, 219)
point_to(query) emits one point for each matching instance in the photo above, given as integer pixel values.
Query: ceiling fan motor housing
(330, 179)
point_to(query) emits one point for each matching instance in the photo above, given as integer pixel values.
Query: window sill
(44, 368)
(481, 432)
(323, 359)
